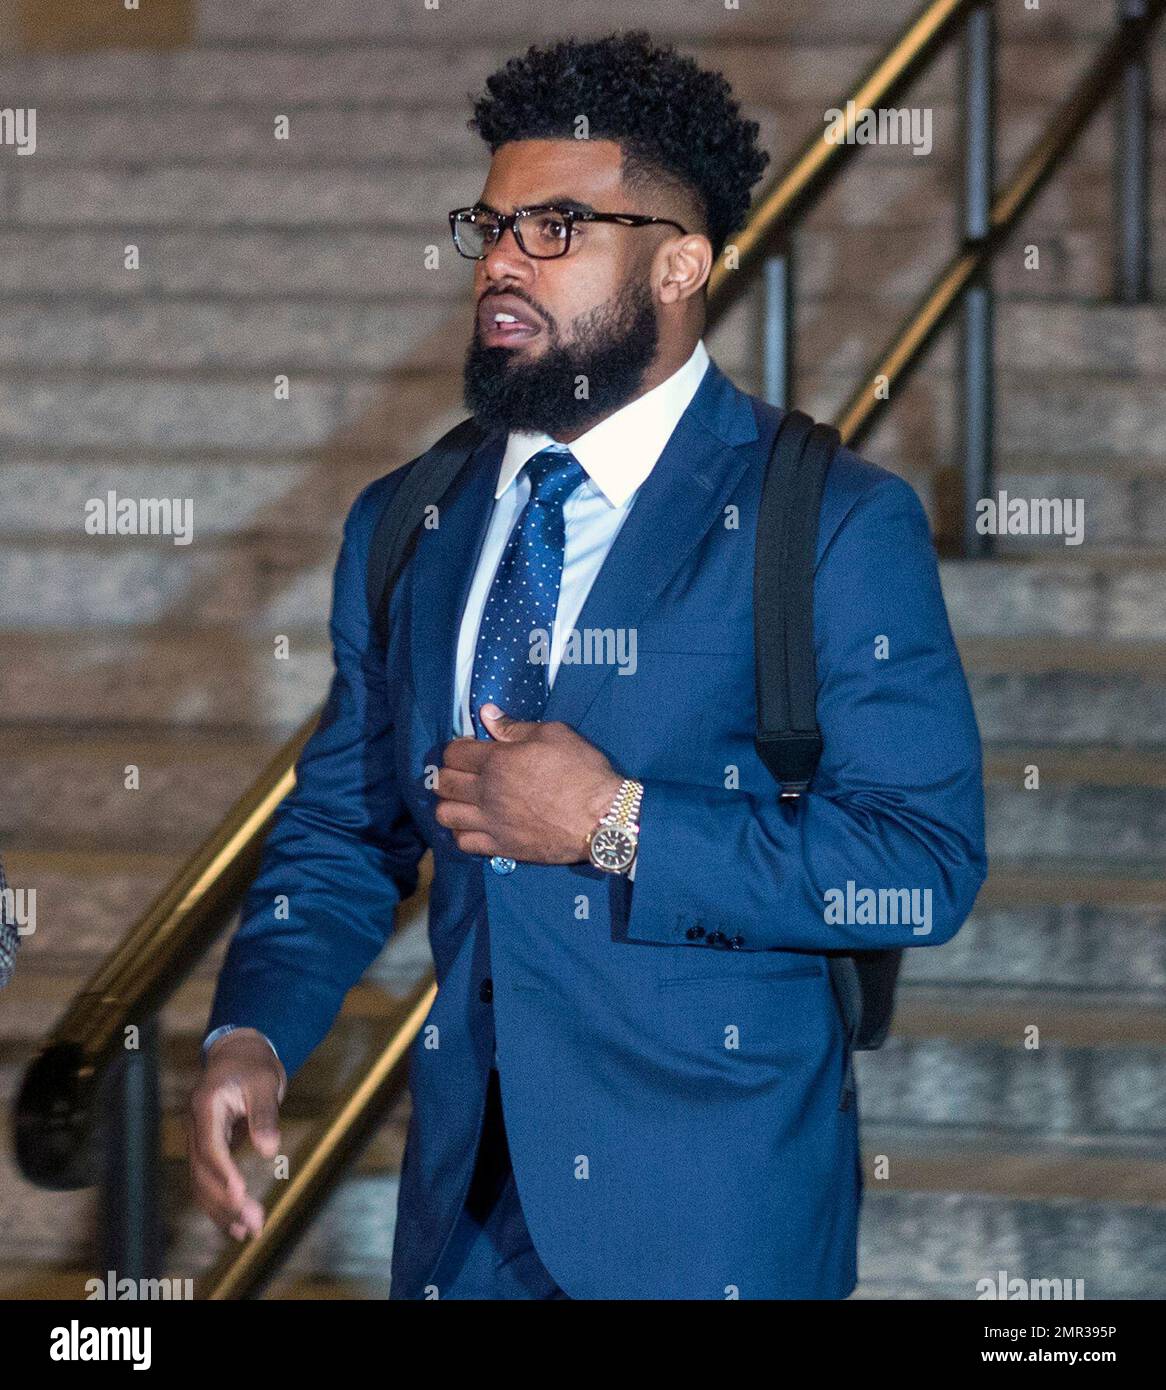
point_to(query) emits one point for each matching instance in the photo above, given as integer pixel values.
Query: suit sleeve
(897, 804)
(343, 850)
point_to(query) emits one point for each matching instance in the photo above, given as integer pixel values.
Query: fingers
(458, 786)
(464, 755)
(215, 1109)
(218, 1185)
(476, 842)
(460, 815)
(263, 1118)
(470, 826)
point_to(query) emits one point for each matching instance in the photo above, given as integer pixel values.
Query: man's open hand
(242, 1080)
(530, 791)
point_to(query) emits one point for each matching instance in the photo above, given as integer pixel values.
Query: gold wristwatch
(613, 842)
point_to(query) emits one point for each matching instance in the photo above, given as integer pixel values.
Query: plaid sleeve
(8, 934)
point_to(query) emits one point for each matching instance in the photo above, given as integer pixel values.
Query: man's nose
(506, 259)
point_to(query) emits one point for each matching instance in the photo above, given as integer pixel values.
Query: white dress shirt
(616, 455)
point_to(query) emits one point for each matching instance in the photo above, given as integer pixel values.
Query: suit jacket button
(486, 991)
(737, 942)
(694, 933)
(501, 865)
(716, 937)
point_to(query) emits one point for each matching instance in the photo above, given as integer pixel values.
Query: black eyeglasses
(541, 232)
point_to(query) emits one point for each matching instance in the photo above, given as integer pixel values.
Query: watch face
(612, 848)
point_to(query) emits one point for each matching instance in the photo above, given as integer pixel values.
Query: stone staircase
(305, 257)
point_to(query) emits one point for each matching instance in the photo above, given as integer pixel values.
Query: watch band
(625, 809)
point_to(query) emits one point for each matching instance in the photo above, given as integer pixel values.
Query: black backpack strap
(788, 740)
(431, 479)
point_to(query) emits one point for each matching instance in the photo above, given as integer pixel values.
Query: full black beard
(613, 347)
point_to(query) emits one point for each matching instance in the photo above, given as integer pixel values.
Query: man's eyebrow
(564, 202)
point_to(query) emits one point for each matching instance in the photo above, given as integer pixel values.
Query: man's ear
(685, 265)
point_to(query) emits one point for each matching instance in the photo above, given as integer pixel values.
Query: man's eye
(552, 228)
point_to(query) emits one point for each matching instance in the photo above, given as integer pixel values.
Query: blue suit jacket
(672, 1108)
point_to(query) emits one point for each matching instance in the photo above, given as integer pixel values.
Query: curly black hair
(671, 118)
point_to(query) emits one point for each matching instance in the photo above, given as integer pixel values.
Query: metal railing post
(131, 1215)
(778, 329)
(976, 362)
(1132, 168)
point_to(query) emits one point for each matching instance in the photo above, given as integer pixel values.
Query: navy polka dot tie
(524, 595)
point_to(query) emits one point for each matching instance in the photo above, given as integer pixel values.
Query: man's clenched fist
(530, 791)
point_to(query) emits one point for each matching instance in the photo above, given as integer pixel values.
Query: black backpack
(788, 740)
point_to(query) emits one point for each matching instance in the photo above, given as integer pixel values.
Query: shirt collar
(618, 453)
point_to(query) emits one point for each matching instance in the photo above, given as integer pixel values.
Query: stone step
(329, 335)
(523, 22)
(1113, 597)
(221, 683)
(248, 264)
(1086, 1091)
(1070, 417)
(1101, 502)
(73, 409)
(1081, 766)
(912, 1245)
(901, 1159)
(874, 195)
(210, 680)
(1071, 948)
(258, 589)
(1070, 707)
(221, 411)
(69, 793)
(35, 998)
(35, 1281)
(49, 585)
(1092, 933)
(1039, 65)
(1089, 800)
(941, 1245)
(1054, 337)
(378, 133)
(1110, 508)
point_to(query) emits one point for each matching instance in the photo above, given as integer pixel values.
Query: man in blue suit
(631, 1082)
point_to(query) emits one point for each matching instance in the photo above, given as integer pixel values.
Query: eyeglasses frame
(509, 220)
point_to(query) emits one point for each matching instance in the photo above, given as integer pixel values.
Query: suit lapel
(679, 501)
(443, 569)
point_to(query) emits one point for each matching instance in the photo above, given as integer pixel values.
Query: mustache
(548, 319)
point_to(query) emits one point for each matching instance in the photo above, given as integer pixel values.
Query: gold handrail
(54, 1118)
(946, 291)
(808, 174)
